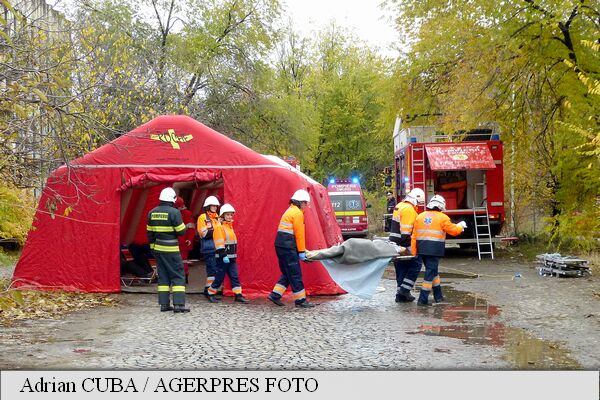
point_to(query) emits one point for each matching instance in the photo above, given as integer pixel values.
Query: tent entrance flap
(462, 156)
(140, 192)
(146, 179)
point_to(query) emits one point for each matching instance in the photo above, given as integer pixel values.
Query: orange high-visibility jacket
(206, 226)
(290, 232)
(225, 240)
(403, 220)
(429, 233)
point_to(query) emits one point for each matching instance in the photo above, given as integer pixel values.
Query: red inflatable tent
(99, 202)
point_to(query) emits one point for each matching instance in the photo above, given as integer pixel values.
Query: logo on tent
(172, 138)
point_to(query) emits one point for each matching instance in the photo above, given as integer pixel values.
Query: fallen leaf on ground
(81, 350)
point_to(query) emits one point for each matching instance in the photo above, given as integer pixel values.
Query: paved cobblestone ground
(558, 318)
(564, 311)
(341, 333)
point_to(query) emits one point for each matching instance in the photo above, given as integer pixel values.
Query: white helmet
(301, 195)
(415, 196)
(211, 201)
(437, 201)
(167, 194)
(225, 208)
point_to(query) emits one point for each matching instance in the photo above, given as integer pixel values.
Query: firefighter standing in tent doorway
(186, 241)
(206, 227)
(163, 228)
(226, 245)
(403, 220)
(290, 249)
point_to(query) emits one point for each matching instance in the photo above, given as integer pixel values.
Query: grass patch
(18, 305)
(8, 258)
(528, 247)
(594, 262)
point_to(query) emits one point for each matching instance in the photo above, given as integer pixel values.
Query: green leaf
(40, 94)
(18, 297)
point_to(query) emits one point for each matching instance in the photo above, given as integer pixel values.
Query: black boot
(404, 297)
(180, 308)
(305, 304)
(165, 307)
(241, 299)
(437, 294)
(212, 299)
(275, 300)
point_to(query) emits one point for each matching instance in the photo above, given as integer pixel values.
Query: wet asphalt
(490, 321)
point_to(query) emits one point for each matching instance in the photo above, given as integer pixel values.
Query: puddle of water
(390, 273)
(461, 307)
(488, 334)
(527, 352)
(472, 319)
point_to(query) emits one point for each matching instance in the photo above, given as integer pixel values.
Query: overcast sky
(363, 18)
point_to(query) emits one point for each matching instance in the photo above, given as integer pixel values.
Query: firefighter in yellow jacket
(163, 227)
(226, 255)
(403, 220)
(428, 242)
(290, 249)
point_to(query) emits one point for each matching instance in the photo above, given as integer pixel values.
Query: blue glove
(226, 260)
(302, 256)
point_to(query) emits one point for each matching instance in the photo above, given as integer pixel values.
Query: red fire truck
(467, 173)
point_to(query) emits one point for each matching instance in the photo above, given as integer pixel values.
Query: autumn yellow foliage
(16, 213)
(18, 305)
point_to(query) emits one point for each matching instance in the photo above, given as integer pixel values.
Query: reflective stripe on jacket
(429, 233)
(206, 226)
(225, 240)
(403, 220)
(163, 226)
(290, 232)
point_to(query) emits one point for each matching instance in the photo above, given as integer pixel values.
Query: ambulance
(350, 207)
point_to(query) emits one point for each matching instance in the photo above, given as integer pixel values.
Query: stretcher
(130, 280)
(557, 265)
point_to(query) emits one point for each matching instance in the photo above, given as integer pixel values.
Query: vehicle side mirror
(369, 205)
(388, 180)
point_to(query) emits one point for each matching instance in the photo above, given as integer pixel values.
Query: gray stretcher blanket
(357, 265)
(354, 251)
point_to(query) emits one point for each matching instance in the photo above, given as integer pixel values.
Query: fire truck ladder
(483, 233)
(418, 167)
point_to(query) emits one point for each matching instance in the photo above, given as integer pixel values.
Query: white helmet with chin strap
(301, 195)
(211, 201)
(167, 194)
(438, 202)
(415, 196)
(226, 208)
